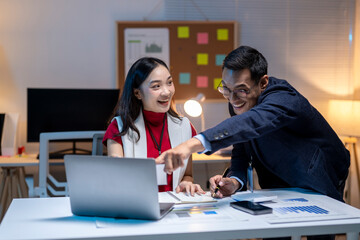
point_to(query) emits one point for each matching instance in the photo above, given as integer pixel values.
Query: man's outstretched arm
(174, 158)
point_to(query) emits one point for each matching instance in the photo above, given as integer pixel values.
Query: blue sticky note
(210, 212)
(184, 78)
(219, 58)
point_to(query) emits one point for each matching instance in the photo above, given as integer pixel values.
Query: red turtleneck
(155, 122)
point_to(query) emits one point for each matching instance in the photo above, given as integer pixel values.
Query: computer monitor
(59, 110)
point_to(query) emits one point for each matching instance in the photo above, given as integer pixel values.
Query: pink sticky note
(202, 38)
(202, 82)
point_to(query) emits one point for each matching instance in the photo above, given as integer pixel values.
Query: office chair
(97, 146)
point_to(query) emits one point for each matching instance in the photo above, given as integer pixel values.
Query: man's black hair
(245, 57)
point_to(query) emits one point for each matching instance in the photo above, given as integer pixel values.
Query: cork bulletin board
(194, 51)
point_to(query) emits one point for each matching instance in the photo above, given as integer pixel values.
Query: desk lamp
(344, 117)
(193, 108)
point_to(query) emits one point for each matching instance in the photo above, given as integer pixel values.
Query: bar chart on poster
(141, 42)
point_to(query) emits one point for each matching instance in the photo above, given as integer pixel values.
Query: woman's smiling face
(157, 90)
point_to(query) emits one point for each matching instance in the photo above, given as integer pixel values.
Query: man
(274, 128)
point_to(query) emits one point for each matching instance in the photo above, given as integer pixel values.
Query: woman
(144, 123)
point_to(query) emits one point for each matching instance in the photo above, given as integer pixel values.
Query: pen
(218, 186)
(250, 176)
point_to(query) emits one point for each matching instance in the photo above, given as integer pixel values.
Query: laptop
(114, 187)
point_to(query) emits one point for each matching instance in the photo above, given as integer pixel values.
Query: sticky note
(210, 212)
(183, 32)
(202, 59)
(184, 78)
(195, 212)
(217, 82)
(222, 34)
(202, 81)
(219, 58)
(202, 38)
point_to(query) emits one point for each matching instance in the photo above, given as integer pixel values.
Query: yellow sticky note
(217, 82)
(197, 212)
(202, 59)
(222, 34)
(183, 32)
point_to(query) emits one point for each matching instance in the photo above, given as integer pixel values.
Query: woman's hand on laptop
(189, 188)
(174, 158)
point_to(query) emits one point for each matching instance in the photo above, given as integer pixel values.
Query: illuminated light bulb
(193, 108)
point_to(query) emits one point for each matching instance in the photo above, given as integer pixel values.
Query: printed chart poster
(146, 42)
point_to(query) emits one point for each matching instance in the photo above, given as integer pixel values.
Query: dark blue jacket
(290, 143)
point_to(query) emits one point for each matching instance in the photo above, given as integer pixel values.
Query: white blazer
(179, 132)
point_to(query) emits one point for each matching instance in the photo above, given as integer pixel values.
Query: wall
(71, 44)
(61, 44)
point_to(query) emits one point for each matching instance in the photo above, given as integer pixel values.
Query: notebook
(114, 187)
(182, 197)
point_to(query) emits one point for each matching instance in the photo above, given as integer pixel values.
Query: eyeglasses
(238, 92)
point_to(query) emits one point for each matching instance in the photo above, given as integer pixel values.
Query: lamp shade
(344, 117)
(193, 107)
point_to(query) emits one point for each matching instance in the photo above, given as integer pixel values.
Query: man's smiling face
(246, 90)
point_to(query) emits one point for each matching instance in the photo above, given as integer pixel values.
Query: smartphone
(251, 207)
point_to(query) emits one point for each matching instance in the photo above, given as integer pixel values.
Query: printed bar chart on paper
(302, 209)
(295, 200)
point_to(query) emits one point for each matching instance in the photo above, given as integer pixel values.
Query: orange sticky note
(202, 81)
(183, 32)
(202, 59)
(222, 34)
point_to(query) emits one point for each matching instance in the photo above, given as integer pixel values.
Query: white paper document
(301, 209)
(196, 213)
(254, 196)
(161, 175)
(182, 197)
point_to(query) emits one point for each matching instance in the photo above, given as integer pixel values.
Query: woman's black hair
(129, 106)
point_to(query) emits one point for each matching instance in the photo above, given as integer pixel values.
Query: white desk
(51, 218)
(13, 183)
